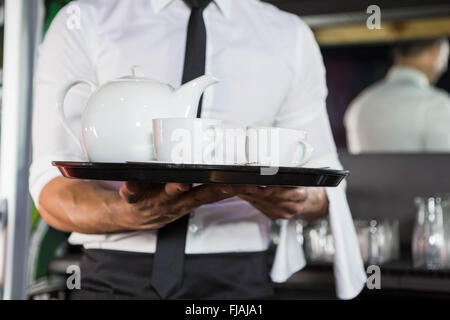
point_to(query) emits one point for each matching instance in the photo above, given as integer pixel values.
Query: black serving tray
(200, 173)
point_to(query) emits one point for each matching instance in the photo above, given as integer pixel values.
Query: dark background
(350, 69)
(315, 7)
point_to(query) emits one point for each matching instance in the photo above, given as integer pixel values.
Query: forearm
(79, 206)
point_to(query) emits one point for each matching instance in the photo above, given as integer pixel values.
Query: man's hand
(82, 206)
(284, 203)
(145, 206)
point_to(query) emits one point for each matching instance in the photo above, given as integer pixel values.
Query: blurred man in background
(404, 112)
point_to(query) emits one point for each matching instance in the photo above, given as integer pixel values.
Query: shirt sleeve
(437, 128)
(305, 106)
(305, 109)
(66, 54)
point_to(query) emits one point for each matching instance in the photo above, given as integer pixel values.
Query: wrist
(325, 203)
(317, 205)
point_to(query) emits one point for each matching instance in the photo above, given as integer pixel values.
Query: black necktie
(167, 274)
(195, 54)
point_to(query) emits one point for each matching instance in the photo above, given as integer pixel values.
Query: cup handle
(308, 150)
(60, 97)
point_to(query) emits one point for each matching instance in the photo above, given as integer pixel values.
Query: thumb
(133, 191)
(173, 190)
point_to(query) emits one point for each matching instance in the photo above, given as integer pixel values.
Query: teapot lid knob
(137, 71)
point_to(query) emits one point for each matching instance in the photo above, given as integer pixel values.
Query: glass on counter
(446, 217)
(430, 240)
(379, 241)
(318, 242)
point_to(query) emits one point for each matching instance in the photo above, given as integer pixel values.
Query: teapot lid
(137, 74)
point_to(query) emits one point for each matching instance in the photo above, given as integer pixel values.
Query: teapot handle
(60, 107)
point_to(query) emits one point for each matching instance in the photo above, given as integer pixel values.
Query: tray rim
(181, 167)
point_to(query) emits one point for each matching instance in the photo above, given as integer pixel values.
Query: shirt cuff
(38, 183)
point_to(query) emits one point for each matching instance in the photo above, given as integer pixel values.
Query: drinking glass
(318, 242)
(446, 218)
(428, 246)
(379, 240)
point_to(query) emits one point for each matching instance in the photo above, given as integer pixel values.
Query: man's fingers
(172, 191)
(292, 194)
(175, 189)
(237, 189)
(210, 193)
(282, 193)
(204, 194)
(281, 210)
(133, 191)
(130, 187)
(125, 193)
(291, 207)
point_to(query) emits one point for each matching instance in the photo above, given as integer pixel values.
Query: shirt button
(193, 228)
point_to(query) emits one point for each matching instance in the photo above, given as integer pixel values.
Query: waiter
(172, 240)
(404, 112)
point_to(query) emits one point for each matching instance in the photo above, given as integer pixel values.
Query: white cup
(187, 140)
(277, 147)
(233, 147)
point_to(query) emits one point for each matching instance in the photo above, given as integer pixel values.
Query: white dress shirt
(402, 113)
(271, 73)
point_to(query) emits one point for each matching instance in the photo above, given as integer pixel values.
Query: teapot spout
(187, 97)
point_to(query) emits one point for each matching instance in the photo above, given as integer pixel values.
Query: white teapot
(117, 120)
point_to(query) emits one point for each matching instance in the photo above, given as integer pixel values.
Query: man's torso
(250, 50)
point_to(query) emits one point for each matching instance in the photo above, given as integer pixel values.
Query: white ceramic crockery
(233, 151)
(117, 120)
(185, 140)
(277, 147)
